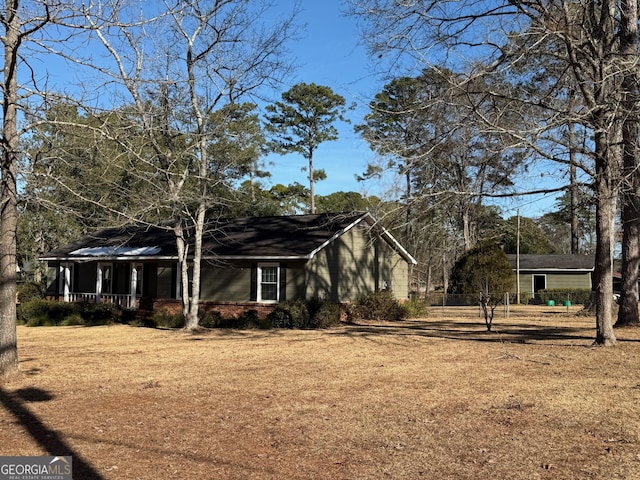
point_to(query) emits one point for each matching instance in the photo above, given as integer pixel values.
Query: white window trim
(533, 281)
(259, 279)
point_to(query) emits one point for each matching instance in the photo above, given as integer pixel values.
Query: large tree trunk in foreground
(628, 312)
(606, 193)
(8, 197)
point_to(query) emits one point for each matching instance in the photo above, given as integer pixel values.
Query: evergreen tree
(484, 271)
(302, 121)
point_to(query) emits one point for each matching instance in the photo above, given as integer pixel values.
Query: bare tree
(21, 21)
(493, 37)
(630, 208)
(177, 70)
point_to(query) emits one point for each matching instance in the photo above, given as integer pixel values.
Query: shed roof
(275, 237)
(553, 262)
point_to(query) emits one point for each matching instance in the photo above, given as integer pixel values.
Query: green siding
(569, 280)
(353, 265)
(295, 280)
(164, 280)
(393, 270)
(226, 284)
(233, 283)
(578, 281)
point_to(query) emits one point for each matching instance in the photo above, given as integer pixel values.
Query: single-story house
(540, 272)
(247, 263)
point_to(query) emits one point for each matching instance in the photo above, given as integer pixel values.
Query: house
(540, 272)
(247, 263)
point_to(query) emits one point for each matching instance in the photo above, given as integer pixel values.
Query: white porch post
(178, 281)
(98, 282)
(133, 286)
(65, 276)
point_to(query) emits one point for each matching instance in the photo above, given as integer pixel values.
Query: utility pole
(518, 260)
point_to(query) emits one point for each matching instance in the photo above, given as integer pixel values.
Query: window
(268, 282)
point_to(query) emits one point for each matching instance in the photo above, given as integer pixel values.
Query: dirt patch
(432, 398)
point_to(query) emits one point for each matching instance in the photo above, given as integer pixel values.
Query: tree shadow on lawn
(47, 438)
(474, 331)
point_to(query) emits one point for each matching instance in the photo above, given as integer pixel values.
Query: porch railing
(121, 300)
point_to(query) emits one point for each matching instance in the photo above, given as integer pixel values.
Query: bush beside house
(293, 314)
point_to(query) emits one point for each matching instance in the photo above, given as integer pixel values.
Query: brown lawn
(435, 398)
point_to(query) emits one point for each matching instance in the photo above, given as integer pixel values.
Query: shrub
(416, 307)
(290, 314)
(98, 313)
(559, 295)
(211, 319)
(247, 319)
(322, 313)
(305, 314)
(28, 291)
(378, 306)
(73, 319)
(39, 312)
(164, 318)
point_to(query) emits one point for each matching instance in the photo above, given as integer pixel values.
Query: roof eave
(568, 269)
(172, 258)
(108, 258)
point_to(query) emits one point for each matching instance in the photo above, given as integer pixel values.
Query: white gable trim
(371, 221)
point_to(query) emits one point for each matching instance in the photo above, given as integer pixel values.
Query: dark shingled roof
(553, 262)
(294, 236)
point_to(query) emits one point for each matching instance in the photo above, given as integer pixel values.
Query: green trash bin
(567, 303)
(551, 303)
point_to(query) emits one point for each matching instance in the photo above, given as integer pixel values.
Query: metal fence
(548, 298)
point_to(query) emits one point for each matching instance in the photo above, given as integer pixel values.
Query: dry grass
(438, 398)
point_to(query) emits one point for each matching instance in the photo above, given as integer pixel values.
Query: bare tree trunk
(628, 311)
(466, 229)
(605, 214)
(312, 183)
(428, 280)
(8, 196)
(183, 250)
(575, 242)
(192, 319)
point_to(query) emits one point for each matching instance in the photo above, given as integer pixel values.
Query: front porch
(98, 282)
